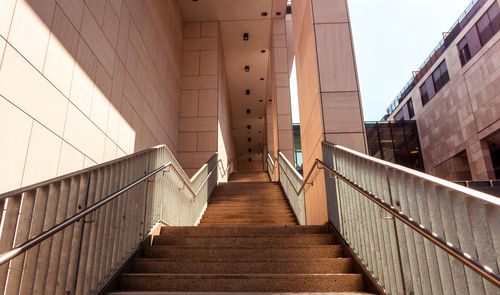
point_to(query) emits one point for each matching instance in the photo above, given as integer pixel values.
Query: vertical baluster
(118, 236)
(465, 241)
(431, 197)
(482, 239)
(398, 188)
(57, 240)
(9, 224)
(69, 235)
(373, 214)
(450, 235)
(128, 213)
(31, 259)
(411, 244)
(421, 214)
(113, 217)
(100, 225)
(85, 251)
(419, 240)
(393, 261)
(94, 230)
(371, 258)
(79, 242)
(382, 233)
(493, 219)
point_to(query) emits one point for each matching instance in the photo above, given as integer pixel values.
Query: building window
(440, 76)
(411, 110)
(463, 49)
(406, 113)
(479, 34)
(434, 83)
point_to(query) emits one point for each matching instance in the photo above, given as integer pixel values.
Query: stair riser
(285, 283)
(253, 253)
(242, 231)
(239, 241)
(341, 265)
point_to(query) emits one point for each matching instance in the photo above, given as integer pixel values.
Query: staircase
(248, 241)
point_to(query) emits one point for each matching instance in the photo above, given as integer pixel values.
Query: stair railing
(271, 168)
(223, 171)
(439, 237)
(71, 234)
(289, 180)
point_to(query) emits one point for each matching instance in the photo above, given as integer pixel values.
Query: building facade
(455, 99)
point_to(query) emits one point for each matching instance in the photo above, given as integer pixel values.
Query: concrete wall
(205, 117)
(82, 82)
(464, 112)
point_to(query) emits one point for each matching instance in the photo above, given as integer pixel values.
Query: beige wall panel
(191, 63)
(201, 44)
(97, 41)
(29, 32)
(16, 127)
(60, 61)
(335, 58)
(6, 13)
(342, 112)
(355, 141)
(207, 104)
(209, 29)
(111, 23)
(71, 159)
(189, 103)
(207, 141)
(82, 86)
(192, 30)
(23, 85)
(198, 124)
(43, 155)
(329, 11)
(199, 82)
(188, 141)
(208, 62)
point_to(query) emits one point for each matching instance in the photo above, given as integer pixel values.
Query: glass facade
(396, 142)
(297, 147)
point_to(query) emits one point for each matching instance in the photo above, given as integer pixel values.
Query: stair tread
(233, 293)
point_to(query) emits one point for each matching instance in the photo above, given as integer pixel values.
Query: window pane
(473, 41)
(430, 87)
(444, 74)
(436, 76)
(411, 111)
(424, 94)
(484, 28)
(494, 15)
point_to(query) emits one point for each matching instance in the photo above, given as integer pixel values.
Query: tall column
(281, 105)
(481, 166)
(329, 100)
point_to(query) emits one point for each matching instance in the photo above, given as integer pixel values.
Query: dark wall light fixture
(261, 100)
(264, 13)
(247, 92)
(249, 139)
(247, 69)
(249, 111)
(249, 150)
(262, 79)
(249, 126)
(245, 36)
(263, 51)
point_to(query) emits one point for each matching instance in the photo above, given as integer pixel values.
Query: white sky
(391, 39)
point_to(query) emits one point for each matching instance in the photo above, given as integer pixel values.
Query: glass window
(411, 110)
(444, 73)
(463, 49)
(436, 76)
(494, 15)
(424, 94)
(484, 28)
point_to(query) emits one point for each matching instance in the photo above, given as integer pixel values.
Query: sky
(392, 38)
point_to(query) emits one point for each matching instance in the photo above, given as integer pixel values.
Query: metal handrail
(224, 171)
(274, 165)
(304, 182)
(18, 191)
(11, 254)
(449, 185)
(449, 248)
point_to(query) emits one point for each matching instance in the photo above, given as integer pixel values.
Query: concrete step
(230, 221)
(242, 282)
(243, 230)
(190, 252)
(203, 224)
(215, 241)
(242, 266)
(234, 293)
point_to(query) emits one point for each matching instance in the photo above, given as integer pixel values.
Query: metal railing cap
(468, 192)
